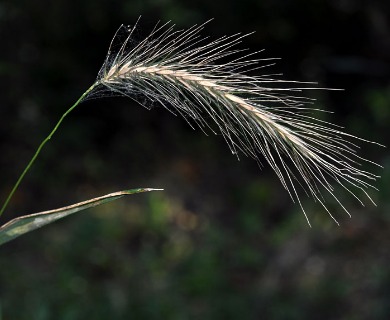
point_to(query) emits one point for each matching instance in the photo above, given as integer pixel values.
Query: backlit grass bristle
(212, 84)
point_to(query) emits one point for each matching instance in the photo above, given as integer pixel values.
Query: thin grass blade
(27, 223)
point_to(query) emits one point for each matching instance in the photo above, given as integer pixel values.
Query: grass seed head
(210, 83)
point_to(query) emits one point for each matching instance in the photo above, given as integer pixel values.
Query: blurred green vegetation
(223, 241)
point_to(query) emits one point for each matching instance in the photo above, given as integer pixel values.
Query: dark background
(223, 241)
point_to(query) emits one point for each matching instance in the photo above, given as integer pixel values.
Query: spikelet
(211, 84)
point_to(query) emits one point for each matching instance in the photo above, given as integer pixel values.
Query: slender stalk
(42, 144)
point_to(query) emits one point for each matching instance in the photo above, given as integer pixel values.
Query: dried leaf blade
(30, 222)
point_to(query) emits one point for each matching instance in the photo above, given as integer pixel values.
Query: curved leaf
(27, 223)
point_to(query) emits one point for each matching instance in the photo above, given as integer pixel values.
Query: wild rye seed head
(212, 82)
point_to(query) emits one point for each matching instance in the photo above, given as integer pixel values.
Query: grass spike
(257, 114)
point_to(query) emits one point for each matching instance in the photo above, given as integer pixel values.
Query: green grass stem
(41, 146)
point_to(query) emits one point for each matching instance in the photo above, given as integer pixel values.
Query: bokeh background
(223, 241)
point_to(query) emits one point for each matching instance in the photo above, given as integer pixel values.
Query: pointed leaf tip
(27, 223)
